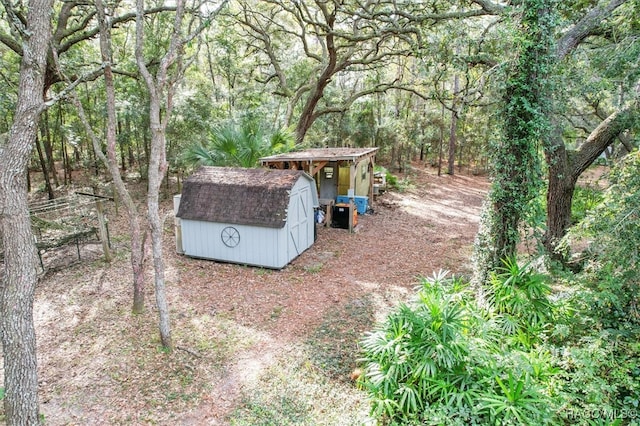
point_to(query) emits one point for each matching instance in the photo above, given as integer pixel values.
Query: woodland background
(533, 92)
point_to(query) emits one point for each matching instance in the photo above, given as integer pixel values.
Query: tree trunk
(393, 155)
(138, 236)
(45, 171)
(454, 126)
(161, 90)
(559, 196)
(16, 295)
(48, 149)
(63, 150)
(19, 281)
(308, 112)
(157, 169)
(308, 115)
(123, 159)
(565, 168)
(441, 139)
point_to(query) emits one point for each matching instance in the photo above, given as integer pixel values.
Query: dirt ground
(249, 341)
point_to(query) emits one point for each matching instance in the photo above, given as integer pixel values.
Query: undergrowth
(441, 359)
(531, 355)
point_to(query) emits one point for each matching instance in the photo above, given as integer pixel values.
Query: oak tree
(32, 26)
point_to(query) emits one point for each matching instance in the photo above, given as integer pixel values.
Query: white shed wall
(258, 246)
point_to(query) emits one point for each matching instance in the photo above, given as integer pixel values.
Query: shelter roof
(257, 197)
(323, 154)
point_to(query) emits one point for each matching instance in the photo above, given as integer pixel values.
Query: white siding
(300, 219)
(258, 246)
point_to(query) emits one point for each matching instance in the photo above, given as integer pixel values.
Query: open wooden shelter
(337, 171)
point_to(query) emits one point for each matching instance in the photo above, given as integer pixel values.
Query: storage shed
(257, 217)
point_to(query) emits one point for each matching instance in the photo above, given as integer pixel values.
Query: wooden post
(351, 206)
(351, 194)
(115, 197)
(102, 228)
(177, 225)
(372, 172)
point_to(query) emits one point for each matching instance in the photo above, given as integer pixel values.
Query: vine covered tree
(515, 155)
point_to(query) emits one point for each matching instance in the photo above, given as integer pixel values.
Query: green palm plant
(440, 360)
(240, 145)
(516, 400)
(418, 355)
(520, 298)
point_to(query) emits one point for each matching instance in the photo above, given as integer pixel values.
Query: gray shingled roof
(258, 197)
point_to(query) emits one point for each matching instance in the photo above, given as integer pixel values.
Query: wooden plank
(318, 167)
(101, 197)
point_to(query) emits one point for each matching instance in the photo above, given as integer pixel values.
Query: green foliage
(613, 227)
(441, 359)
(520, 298)
(1, 394)
(585, 199)
(599, 356)
(391, 179)
(399, 185)
(600, 374)
(239, 145)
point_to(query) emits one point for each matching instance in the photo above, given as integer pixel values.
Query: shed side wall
(258, 246)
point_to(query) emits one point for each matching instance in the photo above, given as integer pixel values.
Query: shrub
(600, 357)
(440, 359)
(585, 199)
(520, 299)
(600, 375)
(613, 227)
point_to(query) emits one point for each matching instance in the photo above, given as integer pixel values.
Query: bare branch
(80, 36)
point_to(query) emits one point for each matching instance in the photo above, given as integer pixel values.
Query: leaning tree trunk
(565, 168)
(18, 284)
(308, 115)
(157, 169)
(161, 90)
